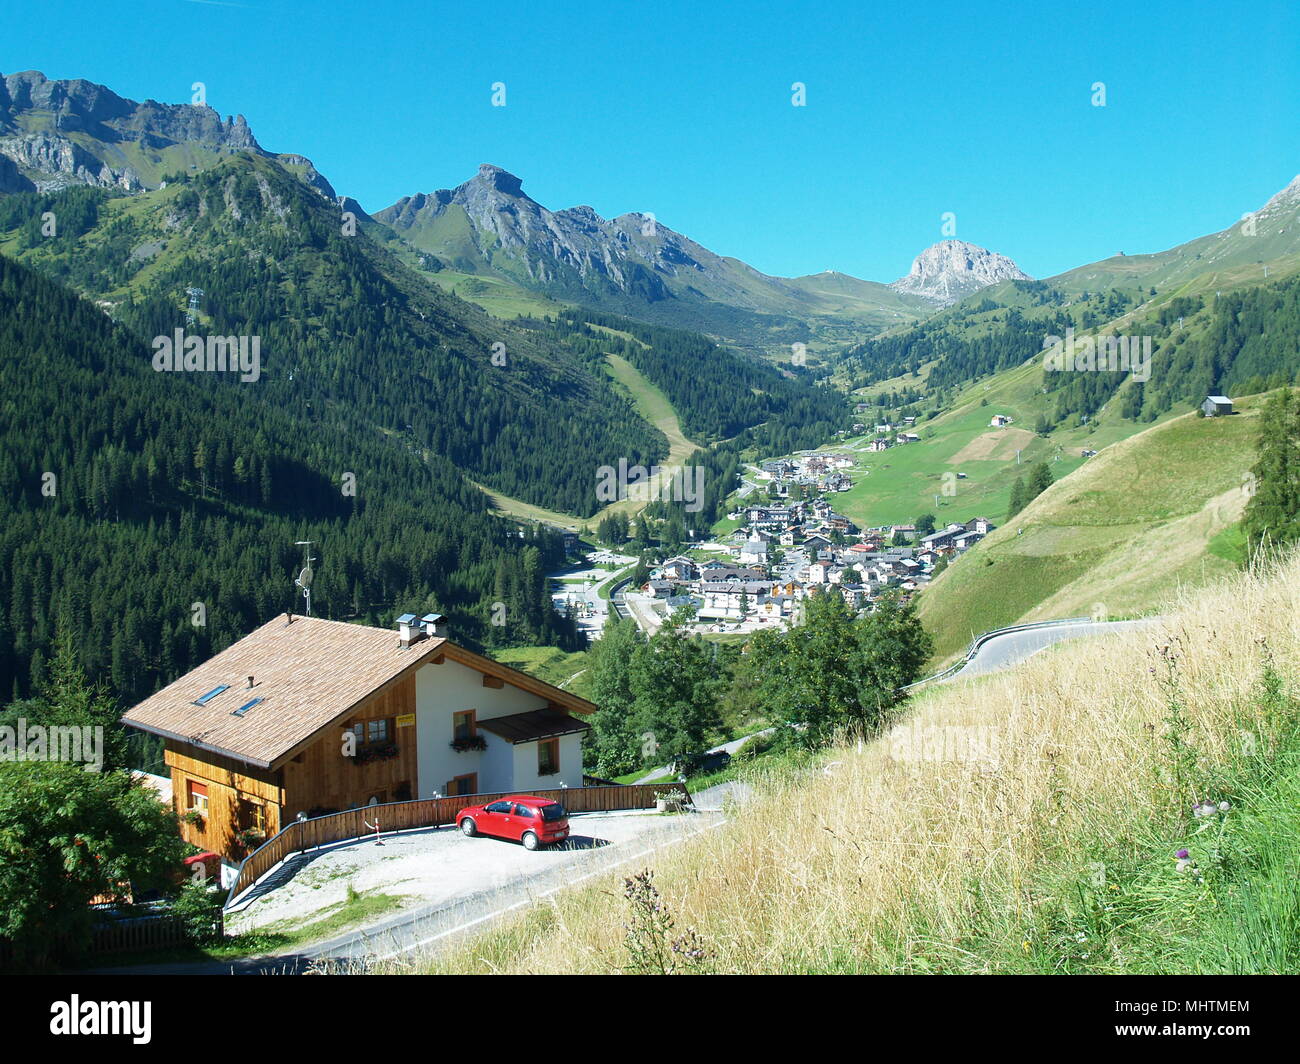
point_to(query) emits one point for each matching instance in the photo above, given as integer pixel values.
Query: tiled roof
(306, 674)
(533, 724)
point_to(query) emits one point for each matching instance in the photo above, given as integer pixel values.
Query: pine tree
(1272, 516)
(1018, 499)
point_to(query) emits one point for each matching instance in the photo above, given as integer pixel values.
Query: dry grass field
(1028, 821)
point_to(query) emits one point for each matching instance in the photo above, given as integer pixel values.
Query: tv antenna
(305, 576)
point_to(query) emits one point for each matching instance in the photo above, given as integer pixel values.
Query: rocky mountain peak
(499, 180)
(952, 269)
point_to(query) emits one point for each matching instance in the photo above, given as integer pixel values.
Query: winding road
(1009, 648)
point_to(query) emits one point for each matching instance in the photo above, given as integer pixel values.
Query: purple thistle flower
(1181, 855)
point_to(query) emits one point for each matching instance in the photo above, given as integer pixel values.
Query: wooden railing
(426, 813)
(141, 932)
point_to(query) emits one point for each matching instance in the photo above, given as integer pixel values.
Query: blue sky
(684, 109)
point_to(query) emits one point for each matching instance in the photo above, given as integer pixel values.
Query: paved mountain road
(1010, 648)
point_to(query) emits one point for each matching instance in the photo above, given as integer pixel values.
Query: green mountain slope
(1117, 537)
(151, 517)
(341, 321)
(1232, 257)
(633, 265)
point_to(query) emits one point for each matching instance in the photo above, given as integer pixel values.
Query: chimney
(407, 630)
(435, 625)
(250, 683)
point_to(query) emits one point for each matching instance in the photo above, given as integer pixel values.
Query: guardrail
(984, 637)
(301, 835)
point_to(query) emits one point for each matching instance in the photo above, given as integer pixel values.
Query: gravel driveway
(439, 869)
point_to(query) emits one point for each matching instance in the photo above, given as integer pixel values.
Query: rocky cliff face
(950, 270)
(59, 133)
(570, 249)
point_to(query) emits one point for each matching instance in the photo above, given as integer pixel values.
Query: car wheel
(530, 841)
(469, 827)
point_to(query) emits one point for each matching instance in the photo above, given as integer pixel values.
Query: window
(463, 725)
(548, 757)
(197, 795)
(467, 784)
(204, 699)
(252, 816)
(371, 732)
(245, 707)
(525, 812)
(498, 807)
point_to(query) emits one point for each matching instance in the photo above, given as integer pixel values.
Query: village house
(999, 420)
(725, 599)
(958, 536)
(305, 716)
(678, 568)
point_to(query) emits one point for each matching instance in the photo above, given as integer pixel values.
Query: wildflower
(1080, 937)
(1183, 860)
(1224, 807)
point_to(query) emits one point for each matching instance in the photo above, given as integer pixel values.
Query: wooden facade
(232, 796)
(322, 778)
(306, 717)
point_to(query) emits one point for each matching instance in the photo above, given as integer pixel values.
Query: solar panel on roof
(203, 700)
(245, 707)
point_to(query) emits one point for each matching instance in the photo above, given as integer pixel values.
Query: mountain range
(487, 237)
(55, 134)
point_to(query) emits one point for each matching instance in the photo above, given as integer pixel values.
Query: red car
(525, 818)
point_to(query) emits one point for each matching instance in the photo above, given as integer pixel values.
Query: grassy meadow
(1144, 518)
(1029, 821)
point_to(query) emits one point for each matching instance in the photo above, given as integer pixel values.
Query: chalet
(1217, 405)
(305, 716)
(678, 569)
(854, 595)
(958, 535)
(813, 544)
(725, 598)
(753, 552)
(942, 539)
(660, 589)
(879, 445)
(819, 572)
(999, 420)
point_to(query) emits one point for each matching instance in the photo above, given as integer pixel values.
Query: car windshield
(554, 811)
